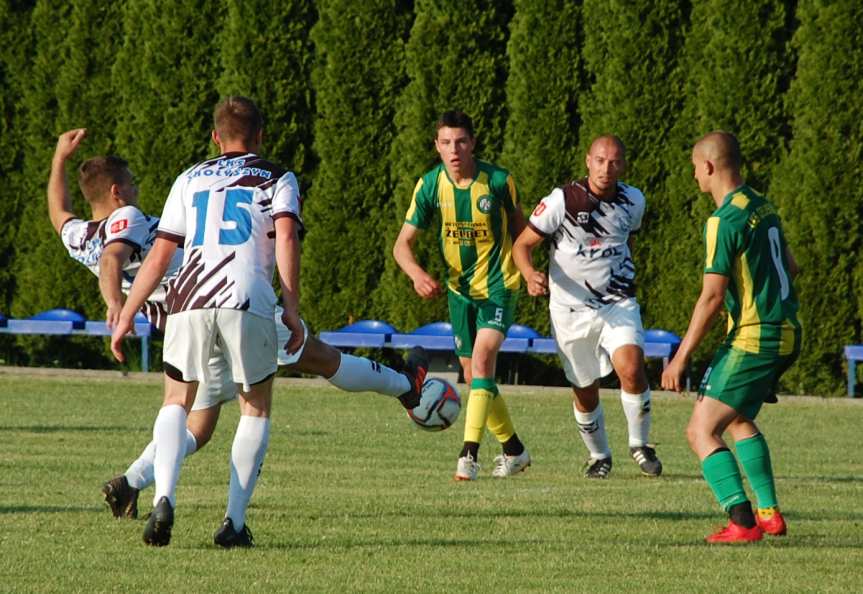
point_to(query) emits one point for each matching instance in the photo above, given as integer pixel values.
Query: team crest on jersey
(118, 226)
(483, 203)
(582, 217)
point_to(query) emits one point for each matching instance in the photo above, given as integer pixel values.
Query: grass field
(354, 499)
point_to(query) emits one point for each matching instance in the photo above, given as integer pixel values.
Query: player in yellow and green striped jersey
(475, 207)
(748, 265)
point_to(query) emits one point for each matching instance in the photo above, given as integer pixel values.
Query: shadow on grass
(68, 428)
(783, 478)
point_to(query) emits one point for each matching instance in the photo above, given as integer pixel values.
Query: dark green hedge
(350, 93)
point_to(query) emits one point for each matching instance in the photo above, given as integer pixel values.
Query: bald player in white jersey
(595, 318)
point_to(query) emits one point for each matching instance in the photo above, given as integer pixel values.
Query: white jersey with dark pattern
(86, 240)
(590, 263)
(222, 211)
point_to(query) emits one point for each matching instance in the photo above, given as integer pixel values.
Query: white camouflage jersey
(590, 263)
(222, 211)
(86, 240)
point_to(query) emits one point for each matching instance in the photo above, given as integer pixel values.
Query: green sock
(755, 459)
(721, 473)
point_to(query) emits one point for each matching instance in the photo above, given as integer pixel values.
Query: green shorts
(469, 315)
(744, 381)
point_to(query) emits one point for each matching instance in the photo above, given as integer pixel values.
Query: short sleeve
(286, 198)
(422, 207)
(721, 241)
(127, 225)
(172, 224)
(549, 214)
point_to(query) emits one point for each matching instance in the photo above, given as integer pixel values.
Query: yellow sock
(498, 421)
(479, 400)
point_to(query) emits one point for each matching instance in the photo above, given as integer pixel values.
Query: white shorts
(247, 341)
(587, 338)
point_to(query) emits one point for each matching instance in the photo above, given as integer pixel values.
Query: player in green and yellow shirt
(748, 265)
(476, 204)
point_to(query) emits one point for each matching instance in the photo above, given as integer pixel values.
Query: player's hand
(672, 376)
(124, 326)
(426, 286)
(537, 284)
(112, 315)
(291, 319)
(68, 143)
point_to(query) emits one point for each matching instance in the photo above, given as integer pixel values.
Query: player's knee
(693, 435)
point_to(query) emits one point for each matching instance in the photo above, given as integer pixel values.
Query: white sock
(591, 426)
(169, 435)
(358, 374)
(636, 407)
(140, 473)
(247, 456)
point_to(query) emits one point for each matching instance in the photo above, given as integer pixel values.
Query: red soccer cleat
(770, 520)
(736, 533)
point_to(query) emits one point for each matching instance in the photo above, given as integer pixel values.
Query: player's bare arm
(522, 254)
(111, 262)
(59, 202)
(707, 307)
(288, 264)
(424, 284)
(146, 281)
(517, 223)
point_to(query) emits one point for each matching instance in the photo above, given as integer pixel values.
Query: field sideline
(354, 499)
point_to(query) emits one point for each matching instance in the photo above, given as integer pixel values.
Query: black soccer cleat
(228, 538)
(597, 469)
(157, 532)
(121, 498)
(416, 369)
(645, 457)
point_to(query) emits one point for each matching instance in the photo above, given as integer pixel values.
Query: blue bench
(365, 333)
(854, 355)
(66, 322)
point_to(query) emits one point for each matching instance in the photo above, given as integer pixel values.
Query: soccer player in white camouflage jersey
(595, 317)
(114, 242)
(237, 216)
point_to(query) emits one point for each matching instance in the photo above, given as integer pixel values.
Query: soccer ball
(439, 405)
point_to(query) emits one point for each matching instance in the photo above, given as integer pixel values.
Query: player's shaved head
(237, 119)
(607, 139)
(720, 148)
(97, 175)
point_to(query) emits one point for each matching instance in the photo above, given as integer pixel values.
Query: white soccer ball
(439, 405)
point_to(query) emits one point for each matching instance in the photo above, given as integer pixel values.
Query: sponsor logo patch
(540, 208)
(120, 225)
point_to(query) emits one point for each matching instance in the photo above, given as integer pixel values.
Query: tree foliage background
(350, 92)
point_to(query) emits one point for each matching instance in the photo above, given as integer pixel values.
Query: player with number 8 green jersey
(474, 228)
(744, 241)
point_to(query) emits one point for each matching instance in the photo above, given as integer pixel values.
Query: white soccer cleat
(509, 465)
(467, 469)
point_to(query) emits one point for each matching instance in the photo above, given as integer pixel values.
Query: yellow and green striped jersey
(475, 239)
(744, 241)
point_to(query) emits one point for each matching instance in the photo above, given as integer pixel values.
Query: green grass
(354, 499)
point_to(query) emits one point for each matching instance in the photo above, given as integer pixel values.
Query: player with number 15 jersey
(221, 211)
